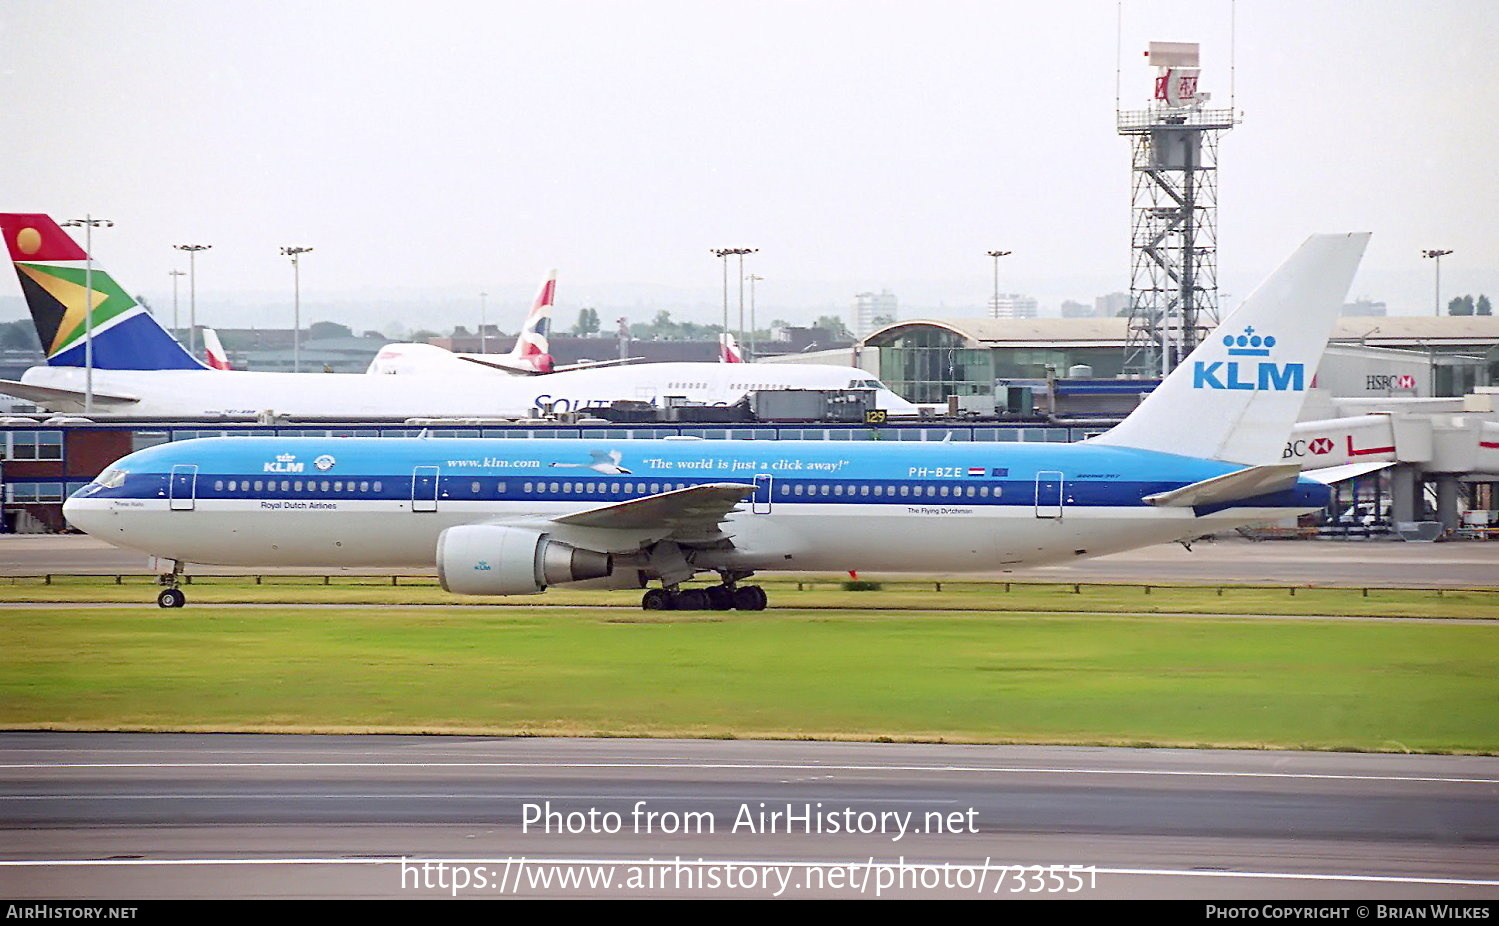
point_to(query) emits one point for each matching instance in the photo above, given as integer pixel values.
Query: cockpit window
(111, 478)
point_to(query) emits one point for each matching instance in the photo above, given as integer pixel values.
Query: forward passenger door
(182, 487)
(424, 488)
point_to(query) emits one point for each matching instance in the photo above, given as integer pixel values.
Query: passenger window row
(890, 491)
(348, 487)
(787, 488)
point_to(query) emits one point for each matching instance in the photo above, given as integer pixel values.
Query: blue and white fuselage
(803, 504)
(513, 517)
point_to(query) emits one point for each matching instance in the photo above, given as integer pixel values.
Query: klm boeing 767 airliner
(513, 517)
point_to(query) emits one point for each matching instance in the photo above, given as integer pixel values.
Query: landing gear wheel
(171, 598)
(657, 599)
(719, 598)
(750, 598)
(694, 599)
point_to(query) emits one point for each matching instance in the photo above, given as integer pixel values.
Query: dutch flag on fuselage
(58, 283)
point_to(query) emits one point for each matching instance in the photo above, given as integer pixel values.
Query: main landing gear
(725, 597)
(171, 596)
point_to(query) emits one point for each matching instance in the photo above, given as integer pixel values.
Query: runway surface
(1472, 564)
(183, 815)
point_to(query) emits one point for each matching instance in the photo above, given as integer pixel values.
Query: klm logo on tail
(1260, 374)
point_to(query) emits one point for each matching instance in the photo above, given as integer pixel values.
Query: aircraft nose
(86, 514)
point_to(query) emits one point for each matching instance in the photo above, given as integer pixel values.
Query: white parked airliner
(139, 369)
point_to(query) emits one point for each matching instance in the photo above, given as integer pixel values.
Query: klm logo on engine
(1249, 374)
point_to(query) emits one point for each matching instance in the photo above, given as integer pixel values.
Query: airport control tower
(1174, 237)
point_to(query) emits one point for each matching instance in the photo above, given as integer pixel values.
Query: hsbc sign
(1316, 446)
(1384, 382)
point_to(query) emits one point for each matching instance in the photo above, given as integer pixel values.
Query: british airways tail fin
(213, 349)
(728, 349)
(1238, 393)
(531, 351)
(54, 279)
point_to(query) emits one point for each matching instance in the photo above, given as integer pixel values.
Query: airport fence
(803, 583)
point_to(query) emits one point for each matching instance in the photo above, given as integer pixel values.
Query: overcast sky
(430, 151)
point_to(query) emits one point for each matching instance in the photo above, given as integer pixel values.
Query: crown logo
(286, 457)
(1249, 344)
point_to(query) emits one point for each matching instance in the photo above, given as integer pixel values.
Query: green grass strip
(1170, 681)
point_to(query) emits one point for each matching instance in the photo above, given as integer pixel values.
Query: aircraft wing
(1245, 483)
(566, 367)
(48, 395)
(563, 368)
(694, 513)
(502, 367)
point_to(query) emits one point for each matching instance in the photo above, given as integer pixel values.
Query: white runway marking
(497, 862)
(999, 770)
(405, 795)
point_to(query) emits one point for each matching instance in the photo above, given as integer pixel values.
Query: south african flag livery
(60, 288)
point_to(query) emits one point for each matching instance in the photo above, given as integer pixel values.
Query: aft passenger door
(761, 502)
(182, 487)
(424, 488)
(1049, 494)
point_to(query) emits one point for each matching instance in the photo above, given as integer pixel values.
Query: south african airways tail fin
(54, 278)
(1238, 393)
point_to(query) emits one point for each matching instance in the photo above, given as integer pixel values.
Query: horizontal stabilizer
(48, 395)
(1246, 483)
(696, 509)
(1331, 474)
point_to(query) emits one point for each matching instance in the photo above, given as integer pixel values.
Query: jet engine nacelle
(491, 559)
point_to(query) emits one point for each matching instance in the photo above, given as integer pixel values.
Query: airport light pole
(296, 287)
(88, 223)
(723, 254)
(741, 289)
(483, 340)
(997, 255)
(1437, 256)
(753, 279)
(174, 274)
(192, 292)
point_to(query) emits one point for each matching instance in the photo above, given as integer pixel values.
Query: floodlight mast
(192, 292)
(295, 254)
(88, 223)
(1437, 255)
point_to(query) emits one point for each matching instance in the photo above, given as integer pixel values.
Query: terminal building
(927, 360)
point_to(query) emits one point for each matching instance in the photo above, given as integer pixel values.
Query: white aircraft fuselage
(203, 392)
